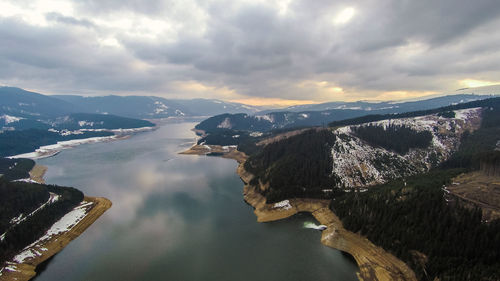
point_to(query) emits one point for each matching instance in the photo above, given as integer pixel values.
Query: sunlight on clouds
(411, 49)
(197, 89)
(109, 42)
(140, 65)
(283, 6)
(321, 90)
(344, 16)
(138, 26)
(400, 95)
(473, 83)
(277, 102)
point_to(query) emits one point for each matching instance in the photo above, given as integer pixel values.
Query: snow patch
(465, 114)
(10, 119)
(19, 219)
(266, 117)
(161, 107)
(226, 124)
(356, 163)
(64, 224)
(53, 149)
(285, 204)
(86, 123)
(256, 134)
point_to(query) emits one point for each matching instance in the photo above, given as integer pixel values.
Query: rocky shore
(374, 262)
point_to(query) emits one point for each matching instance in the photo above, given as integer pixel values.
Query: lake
(179, 217)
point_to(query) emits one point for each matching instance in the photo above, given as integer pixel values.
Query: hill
(28, 210)
(322, 114)
(25, 104)
(387, 180)
(19, 103)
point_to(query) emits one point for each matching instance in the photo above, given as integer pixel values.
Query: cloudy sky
(254, 51)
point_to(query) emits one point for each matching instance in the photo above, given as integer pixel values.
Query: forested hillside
(414, 220)
(423, 225)
(18, 142)
(299, 166)
(393, 137)
(356, 156)
(377, 175)
(13, 169)
(27, 210)
(337, 114)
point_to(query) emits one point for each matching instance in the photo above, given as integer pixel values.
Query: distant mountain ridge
(30, 120)
(336, 111)
(150, 107)
(459, 96)
(397, 107)
(21, 103)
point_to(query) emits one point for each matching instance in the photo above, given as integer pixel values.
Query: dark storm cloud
(257, 48)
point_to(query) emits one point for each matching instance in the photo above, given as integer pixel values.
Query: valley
(355, 166)
(327, 172)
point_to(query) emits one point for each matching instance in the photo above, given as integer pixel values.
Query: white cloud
(281, 49)
(344, 16)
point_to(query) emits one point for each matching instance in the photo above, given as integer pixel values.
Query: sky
(279, 52)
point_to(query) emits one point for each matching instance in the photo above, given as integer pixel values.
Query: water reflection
(181, 219)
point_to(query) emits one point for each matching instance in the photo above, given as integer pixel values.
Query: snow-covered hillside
(357, 163)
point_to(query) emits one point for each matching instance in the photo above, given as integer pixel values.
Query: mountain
(208, 107)
(391, 178)
(128, 106)
(365, 151)
(88, 121)
(21, 103)
(332, 112)
(396, 107)
(154, 107)
(30, 120)
(17, 103)
(458, 96)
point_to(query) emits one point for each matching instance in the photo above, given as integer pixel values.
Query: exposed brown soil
(37, 173)
(480, 190)
(374, 262)
(26, 270)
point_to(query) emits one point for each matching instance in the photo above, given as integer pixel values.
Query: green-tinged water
(179, 217)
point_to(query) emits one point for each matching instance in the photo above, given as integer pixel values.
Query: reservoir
(179, 217)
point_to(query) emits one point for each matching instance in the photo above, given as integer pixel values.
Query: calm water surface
(179, 217)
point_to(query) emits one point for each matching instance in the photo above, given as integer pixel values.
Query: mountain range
(21, 103)
(322, 114)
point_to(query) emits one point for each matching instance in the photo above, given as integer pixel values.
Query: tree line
(299, 166)
(393, 137)
(17, 197)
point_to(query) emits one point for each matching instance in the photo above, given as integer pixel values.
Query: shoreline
(374, 262)
(42, 249)
(37, 173)
(53, 149)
